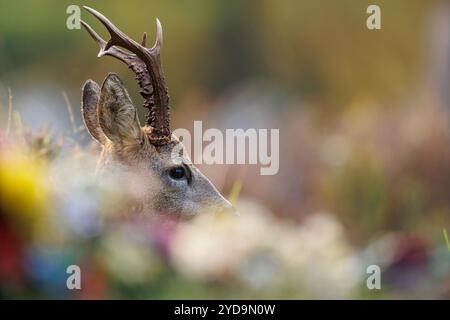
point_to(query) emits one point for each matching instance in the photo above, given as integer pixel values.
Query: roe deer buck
(111, 119)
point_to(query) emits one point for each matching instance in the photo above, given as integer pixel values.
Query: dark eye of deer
(177, 173)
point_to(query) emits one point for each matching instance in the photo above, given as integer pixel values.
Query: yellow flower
(23, 191)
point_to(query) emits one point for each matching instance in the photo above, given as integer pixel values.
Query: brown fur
(127, 149)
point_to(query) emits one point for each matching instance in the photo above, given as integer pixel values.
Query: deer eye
(177, 173)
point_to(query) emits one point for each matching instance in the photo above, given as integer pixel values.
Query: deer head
(111, 118)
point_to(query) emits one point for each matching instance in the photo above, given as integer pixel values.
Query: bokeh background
(364, 151)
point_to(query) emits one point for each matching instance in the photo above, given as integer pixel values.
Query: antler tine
(146, 63)
(144, 39)
(118, 38)
(113, 51)
(159, 37)
(95, 36)
(137, 65)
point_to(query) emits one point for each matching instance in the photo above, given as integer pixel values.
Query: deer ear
(91, 95)
(117, 115)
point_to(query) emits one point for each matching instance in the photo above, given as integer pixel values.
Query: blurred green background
(363, 115)
(320, 51)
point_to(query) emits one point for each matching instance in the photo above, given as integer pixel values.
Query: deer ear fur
(117, 115)
(89, 102)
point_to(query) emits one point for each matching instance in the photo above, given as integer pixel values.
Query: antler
(146, 64)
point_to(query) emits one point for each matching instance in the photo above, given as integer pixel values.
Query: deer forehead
(144, 152)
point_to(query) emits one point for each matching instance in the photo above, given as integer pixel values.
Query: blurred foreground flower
(408, 262)
(24, 192)
(259, 252)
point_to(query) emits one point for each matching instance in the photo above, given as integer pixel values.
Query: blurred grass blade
(235, 191)
(10, 107)
(444, 231)
(70, 111)
(18, 123)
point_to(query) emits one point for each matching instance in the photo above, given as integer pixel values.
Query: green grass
(444, 231)
(235, 192)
